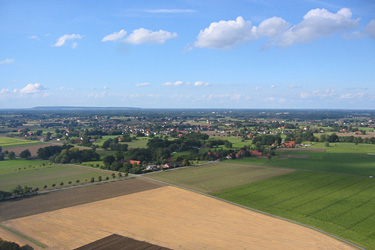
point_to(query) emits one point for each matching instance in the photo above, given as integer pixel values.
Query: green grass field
(346, 158)
(342, 205)
(216, 176)
(12, 166)
(51, 174)
(7, 142)
(141, 142)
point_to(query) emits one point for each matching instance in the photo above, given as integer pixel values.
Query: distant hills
(58, 108)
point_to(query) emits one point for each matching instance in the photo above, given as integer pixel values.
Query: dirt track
(173, 218)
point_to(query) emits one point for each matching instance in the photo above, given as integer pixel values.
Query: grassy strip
(23, 236)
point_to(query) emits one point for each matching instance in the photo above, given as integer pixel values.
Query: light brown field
(173, 218)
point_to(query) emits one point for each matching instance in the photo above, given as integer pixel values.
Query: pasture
(339, 204)
(12, 166)
(172, 218)
(7, 142)
(216, 176)
(49, 175)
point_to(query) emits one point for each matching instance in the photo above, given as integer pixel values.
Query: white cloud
(319, 23)
(352, 96)
(140, 36)
(257, 88)
(318, 93)
(175, 84)
(4, 91)
(273, 86)
(34, 37)
(31, 88)
(370, 29)
(61, 41)
(200, 83)
(114, 36)
(65, 89)
(304, 95)
(225, 34)
(7, 61)
(170, 11)
(74, 45)
(272, 27)
(293, 86)
(144, 84)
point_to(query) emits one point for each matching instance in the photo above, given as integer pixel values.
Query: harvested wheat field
(169, 217)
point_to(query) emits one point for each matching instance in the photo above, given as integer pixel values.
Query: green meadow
(38, 177)
(7, 142)
(339, 204)
(345, 158)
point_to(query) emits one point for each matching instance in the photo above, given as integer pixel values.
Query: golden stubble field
(173, 218)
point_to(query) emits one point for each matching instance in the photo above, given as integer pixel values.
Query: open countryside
(285, 169)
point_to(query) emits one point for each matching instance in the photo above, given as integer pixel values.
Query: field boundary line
(24, 236)
(258, 211)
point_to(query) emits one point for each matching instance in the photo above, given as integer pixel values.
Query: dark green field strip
(340, 204)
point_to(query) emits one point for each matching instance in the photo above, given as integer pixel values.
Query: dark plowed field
(71, 197)
(119, 242)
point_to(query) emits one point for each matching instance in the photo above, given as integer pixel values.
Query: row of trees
(18, 191)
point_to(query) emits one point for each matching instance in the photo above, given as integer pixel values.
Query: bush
(92, 179)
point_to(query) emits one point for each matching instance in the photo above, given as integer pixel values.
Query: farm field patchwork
(172, 218)
(216, 176)
(7, 142)
(339, 204)
(49, 175)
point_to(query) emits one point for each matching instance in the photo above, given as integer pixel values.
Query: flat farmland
(51, 174)
(7, 142)
(169, 217)
(339, 204)
(217, 176)
(12, 166)
(345, 158)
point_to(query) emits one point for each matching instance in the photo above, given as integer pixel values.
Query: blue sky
(188, 54)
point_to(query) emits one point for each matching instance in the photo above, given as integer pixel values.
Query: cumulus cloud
(352, 96)
(114, 36)
(318, 93)
(370, 29)
(225, 34)
(175, 84)
(31, 88)
(144, 84)
(7, 61)
(200, 83)
(61, 41)
(141, 35)
(318, 23)
(170, 11)
(272, 27)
